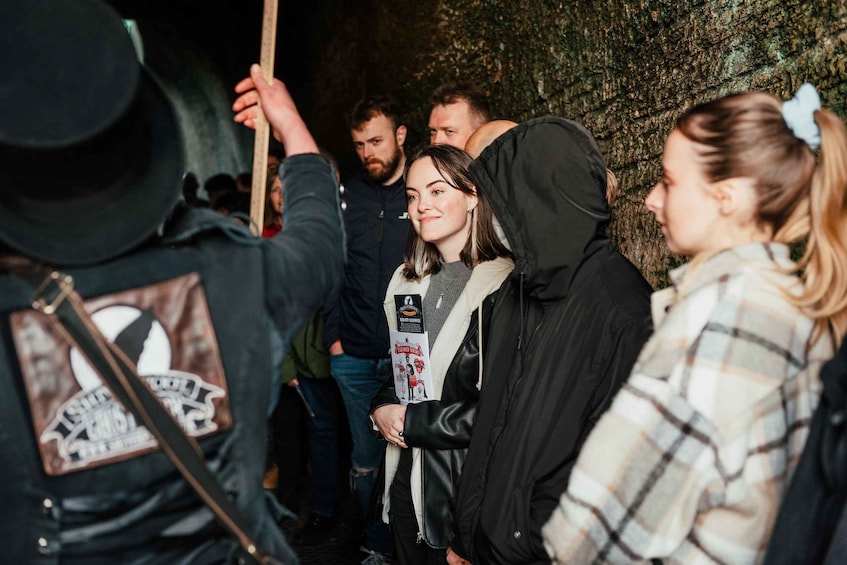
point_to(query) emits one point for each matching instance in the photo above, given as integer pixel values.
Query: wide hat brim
(92, 228)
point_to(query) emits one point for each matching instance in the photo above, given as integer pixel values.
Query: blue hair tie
(799, 114)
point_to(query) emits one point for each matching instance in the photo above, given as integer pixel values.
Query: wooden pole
(260, 146)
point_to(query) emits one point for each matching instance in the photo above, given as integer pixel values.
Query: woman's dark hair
(483, 243)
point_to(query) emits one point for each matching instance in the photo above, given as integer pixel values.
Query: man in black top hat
(91, 163)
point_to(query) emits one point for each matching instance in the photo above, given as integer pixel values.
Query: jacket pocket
(512, 540)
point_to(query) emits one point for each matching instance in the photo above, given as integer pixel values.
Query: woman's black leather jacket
(442, 429)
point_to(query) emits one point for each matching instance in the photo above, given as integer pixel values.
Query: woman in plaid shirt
(689, 463)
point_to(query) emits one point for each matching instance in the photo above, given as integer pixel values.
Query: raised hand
(274, 101)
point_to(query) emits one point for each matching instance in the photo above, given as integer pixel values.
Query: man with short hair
(458, 109)
(356, 331)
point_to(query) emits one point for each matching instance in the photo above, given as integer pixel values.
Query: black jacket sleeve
(331, 332)
(310, 251)
(436, 424)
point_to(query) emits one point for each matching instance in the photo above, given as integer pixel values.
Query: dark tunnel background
(201, 49)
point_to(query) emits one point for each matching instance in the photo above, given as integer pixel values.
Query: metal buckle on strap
(65, 285)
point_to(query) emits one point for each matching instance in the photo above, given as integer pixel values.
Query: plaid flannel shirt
(689, 463)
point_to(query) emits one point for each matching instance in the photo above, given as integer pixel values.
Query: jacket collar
(485, 279)
(708, 270)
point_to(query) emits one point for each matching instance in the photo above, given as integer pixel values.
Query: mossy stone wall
(625, 69)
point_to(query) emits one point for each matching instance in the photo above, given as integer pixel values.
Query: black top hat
(91, 157)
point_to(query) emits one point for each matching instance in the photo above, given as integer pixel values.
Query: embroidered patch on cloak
(166, 330)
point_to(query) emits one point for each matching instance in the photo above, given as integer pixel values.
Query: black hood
(546, 181)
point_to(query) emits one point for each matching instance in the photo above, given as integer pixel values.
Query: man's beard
(386, 170)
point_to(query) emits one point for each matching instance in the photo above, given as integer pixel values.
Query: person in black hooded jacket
(564, 337)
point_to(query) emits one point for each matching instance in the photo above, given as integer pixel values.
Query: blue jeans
(325, 492)
(359, 380)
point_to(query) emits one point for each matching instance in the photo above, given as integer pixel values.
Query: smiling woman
(440, 211)
(456, 263)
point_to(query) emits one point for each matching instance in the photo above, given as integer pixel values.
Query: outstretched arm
(305, 262)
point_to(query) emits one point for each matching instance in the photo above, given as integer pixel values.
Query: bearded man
(356, 333)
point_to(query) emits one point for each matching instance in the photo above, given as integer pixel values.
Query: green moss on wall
(624, 69)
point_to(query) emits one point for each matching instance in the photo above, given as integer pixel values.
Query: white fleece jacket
(485, 279)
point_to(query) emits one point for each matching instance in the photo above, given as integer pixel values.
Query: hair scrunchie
(799, 114)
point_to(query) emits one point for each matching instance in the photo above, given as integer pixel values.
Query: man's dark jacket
(565, 333)
(258, 292)
(377, 226)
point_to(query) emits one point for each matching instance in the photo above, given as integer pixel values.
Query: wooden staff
(260, 147)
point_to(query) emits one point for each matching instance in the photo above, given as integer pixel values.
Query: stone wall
(625, 69)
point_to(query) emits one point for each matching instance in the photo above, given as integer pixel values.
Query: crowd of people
(514, 389)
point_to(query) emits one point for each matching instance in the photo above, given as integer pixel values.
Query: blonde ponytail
(824, 262)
